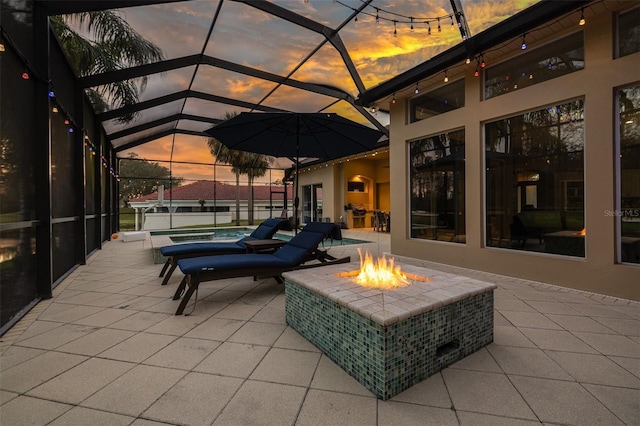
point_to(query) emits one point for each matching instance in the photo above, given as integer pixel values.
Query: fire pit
(390, 339)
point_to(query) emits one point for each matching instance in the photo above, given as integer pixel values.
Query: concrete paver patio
(107, 350)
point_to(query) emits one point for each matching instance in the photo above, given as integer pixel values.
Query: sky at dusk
(245, 35)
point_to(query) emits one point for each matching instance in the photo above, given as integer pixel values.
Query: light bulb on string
(377, 17)
(52, 94)
(54, 109)
(468, 61)
(411, 23)
(355, 19)
(393, 101)
(482, 63)
(582, 20)
(428, 28)
(25, 75)
(2, 48)
(524, 43)
(446, 77)
(451, 16)
(395, 30)
(416, 91)
(439, 27)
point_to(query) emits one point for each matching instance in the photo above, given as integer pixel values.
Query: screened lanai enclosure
(105, 105)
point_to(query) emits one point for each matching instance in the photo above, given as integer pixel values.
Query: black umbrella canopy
(294, 135)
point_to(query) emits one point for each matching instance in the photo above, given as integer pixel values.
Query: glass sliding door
(312, 203)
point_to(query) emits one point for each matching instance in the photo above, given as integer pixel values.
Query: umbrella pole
(296, 199)
(296, 202)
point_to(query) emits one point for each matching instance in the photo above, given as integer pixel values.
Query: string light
(416, 91)
(379, 15)
(582, 20)
(395, 30)
(446, 77)
(25, 75)
(2, 48)
(468, 61)
(524, 43)
(54, 109)
(483, 63)
(393, 101)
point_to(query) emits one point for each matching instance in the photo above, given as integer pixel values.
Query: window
(437, 187)
(553, 60)
(535, 180)
(356, 187)
(437, 101)
(628, 174)
(628, 33)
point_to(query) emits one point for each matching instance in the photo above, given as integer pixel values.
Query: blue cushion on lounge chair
(264, 231)
(300, 246)
(179, 249)
(231, 261)
(267, 229)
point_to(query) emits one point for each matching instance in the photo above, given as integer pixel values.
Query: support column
(80, 178)
(42, 154)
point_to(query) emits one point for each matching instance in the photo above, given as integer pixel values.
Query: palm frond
(114, 45)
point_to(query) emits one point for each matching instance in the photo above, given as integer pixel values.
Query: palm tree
(242, 163)
(114, 45)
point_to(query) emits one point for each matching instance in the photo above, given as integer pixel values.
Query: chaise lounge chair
(293, 255)
(264, 231)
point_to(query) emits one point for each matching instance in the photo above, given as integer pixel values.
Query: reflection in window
(437, 187)
(556, 59)
(628, 211)
(535, 180)
(628, 35)
(437, 101)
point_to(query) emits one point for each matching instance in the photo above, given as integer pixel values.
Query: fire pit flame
(383, 274)
(380, 274)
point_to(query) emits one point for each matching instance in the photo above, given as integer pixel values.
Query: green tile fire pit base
(390, 350)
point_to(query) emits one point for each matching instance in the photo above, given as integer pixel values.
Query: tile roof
(205, 189)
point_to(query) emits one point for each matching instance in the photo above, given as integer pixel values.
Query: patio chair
(293, 255)
(264, 231)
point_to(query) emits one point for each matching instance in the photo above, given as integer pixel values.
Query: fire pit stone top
(389, 306)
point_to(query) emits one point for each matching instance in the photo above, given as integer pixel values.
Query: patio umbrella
(294, 135)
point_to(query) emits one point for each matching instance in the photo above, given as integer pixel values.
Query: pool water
(217, 235)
